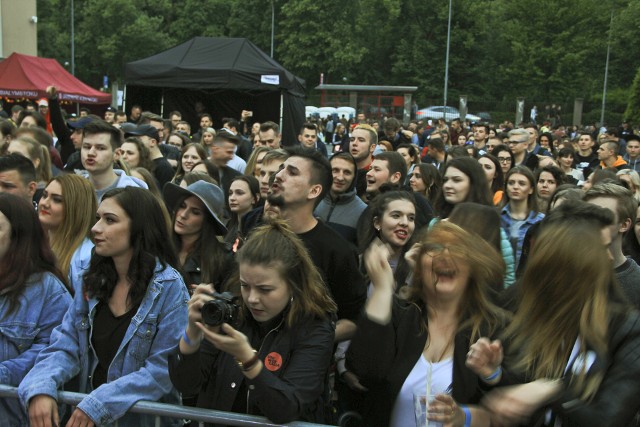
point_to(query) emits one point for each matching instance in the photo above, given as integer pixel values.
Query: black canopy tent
(220, 76)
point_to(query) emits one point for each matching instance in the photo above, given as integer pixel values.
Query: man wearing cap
(149, 136)
(100, 141)
(244, 145)
(43, 109)
(171, 153)
(110, 115)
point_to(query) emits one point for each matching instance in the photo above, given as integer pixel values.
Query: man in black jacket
(303, 180)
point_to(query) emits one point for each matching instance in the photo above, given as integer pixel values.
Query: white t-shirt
(403, 413)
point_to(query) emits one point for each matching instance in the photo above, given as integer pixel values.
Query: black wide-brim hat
(209, 194)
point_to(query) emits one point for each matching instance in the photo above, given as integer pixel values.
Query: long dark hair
(254, 189)
(377, 208)
(478, 188)
(432, 179)
(148, 238)
(212, 254)
(28, 252)
(498, 179)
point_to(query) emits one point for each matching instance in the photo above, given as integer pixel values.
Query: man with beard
(301, 183)
(341, 208)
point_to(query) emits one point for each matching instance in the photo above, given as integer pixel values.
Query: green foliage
(633, 107)
(547, 50)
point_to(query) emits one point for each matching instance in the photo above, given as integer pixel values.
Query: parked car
(485, 116)
(448, 113)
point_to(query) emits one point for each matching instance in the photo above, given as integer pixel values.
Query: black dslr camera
(224, 308)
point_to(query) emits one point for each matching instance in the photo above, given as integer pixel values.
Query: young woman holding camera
(274, 360)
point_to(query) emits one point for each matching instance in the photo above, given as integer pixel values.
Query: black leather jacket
(292, 384)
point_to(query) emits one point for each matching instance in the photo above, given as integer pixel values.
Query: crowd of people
(375, 274)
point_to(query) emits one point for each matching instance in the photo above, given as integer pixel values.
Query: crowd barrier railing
(163, 410)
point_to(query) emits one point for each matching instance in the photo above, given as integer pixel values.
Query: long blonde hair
(486, 268)
(564, 295)
(80, 206)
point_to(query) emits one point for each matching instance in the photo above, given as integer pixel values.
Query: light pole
(606, 72)
(446, 63)
(73, 43)
(273, 23)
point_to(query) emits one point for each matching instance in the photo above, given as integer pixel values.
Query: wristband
(467, 416)
(187, 341)
(246, 366)
(495, 375)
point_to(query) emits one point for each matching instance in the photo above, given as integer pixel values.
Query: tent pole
(281, 108)
(162, 104)
(124, 98)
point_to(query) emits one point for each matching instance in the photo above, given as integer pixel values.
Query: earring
(291, 301)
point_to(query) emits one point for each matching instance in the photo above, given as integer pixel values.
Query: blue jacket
(26, 331)
(506, 221)
(79, 265)
(139, 369)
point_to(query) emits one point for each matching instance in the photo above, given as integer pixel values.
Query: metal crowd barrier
(163, 410)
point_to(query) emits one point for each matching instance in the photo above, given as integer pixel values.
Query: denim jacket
(26, 331)
(79, 265)
(139, 369)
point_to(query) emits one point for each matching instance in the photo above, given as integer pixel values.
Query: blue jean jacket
(139, 369)
(79, 264)
(26, 331)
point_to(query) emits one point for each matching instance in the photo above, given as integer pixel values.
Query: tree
(633, 107)
(314, 38)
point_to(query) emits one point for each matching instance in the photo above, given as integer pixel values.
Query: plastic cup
(420, 408)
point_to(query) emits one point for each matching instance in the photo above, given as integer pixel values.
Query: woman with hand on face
(191, 154)
(197, 210)
(393, 224)
(399, 342)
(67, 211)
(244, 196)
(273, 359)
(118, 333)
(33, 297)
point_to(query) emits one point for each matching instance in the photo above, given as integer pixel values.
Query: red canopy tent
(24, 76)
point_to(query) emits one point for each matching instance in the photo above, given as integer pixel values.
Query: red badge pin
(273, 361)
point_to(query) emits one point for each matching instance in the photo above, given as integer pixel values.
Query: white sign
(270, 79)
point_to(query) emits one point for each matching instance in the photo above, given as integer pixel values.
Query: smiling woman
(399, 344)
